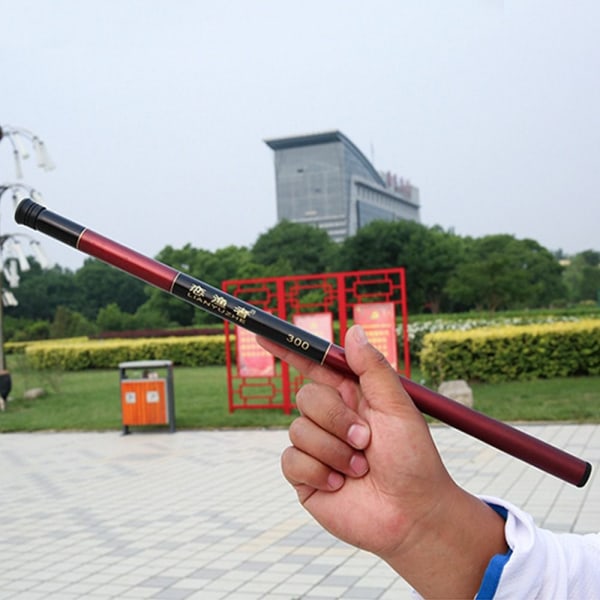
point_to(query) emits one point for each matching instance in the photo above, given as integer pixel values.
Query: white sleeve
(541, 564)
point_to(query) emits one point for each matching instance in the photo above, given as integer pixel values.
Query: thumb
(379, 382)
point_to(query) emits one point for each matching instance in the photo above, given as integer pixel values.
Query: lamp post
(12, 257)
(19, 139)
(12, 261)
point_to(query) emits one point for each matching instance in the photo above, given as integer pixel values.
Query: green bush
(420, 325)
(513, 352)
(105, 354)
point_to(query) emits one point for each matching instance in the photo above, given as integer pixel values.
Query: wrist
(452, 547)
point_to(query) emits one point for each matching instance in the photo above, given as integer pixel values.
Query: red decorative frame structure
(298, 294)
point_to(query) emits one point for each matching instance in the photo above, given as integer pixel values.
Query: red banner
(252, 360)
(320, 324)
(379, 322)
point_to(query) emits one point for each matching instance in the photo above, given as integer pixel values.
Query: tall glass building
(323, 179)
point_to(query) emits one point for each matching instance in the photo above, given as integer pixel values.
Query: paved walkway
(207, 514)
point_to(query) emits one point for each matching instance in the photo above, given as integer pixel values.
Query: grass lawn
(574, 399)
(90, 400)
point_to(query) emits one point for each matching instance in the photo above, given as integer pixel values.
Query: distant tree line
(445, 273)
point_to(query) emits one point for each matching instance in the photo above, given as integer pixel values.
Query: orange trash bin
(147, 398)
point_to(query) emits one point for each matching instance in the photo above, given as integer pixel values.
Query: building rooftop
(324, 137)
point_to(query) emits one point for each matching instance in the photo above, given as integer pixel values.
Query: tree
(231, 262)
(590, 257)
(112, 318)
(296, 248)
(24, 330)
(428, 254)
(502, 272)
(41, 292)
(98, 284)
(433, 256)
(544, 274)
(582, 276)
(70, 323)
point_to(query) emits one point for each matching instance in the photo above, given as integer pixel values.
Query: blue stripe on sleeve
(491, 577)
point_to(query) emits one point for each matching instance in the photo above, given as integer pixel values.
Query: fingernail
(359, 464)
(359, 335)
(335, 480)
(358, 436)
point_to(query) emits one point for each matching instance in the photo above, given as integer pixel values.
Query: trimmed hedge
(513, 352)
(107, 354)
(419, 328)
(21, 347)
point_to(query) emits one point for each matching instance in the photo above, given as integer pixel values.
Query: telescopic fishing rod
(517, 443)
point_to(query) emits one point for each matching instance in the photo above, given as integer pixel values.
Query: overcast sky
(155, 112)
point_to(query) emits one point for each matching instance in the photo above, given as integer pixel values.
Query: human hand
(363, 463)
(368, 444)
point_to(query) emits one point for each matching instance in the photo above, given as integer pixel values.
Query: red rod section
(145, 268)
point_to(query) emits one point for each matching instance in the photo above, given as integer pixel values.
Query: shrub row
(498, 353)
(419, 326)
(105, 354)
(513, 352)
(21, 347)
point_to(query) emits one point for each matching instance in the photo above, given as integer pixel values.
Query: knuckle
(301, 396)
(288, 462)
(306, 396)
(295, 430)
(286, 458)
(336, 415)
(290, 459)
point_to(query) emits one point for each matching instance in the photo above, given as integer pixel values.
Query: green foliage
(102, 354)
(513, 352)
(98, 284)
(69, 323)
(297, 249)
(503, 272)
(25, 329)
(112, 318)
(147, 317)
(421, 325)
(582, 277)
(428, 254)
(41, 292)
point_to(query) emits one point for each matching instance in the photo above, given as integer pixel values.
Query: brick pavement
(207, 514)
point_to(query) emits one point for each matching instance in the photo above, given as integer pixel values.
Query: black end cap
(586, 475)
(27, 213)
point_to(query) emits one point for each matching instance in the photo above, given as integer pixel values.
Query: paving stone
(207, 514)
